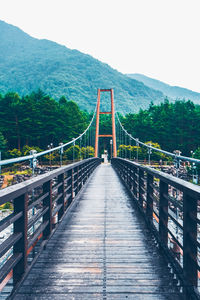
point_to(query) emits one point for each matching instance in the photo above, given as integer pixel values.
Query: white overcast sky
(158, 38)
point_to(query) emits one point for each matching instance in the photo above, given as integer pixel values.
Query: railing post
(21, 226)
(163, 212)
(90, 169)
(83, 173)
(131, 178)
(120, 169)
(77, 181)
(87, 172)
(189, 246)
(47, 202)
(123, 171)
(126, 172)
(128, 175)
(81, 177)
(141, 185)
(61, 189)
(149, 209)
(71, 183)
(74, 181)
(135, 182)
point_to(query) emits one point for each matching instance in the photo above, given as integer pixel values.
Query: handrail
(170, 206)
(49, 196)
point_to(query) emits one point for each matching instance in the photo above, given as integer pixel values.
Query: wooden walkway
(102, 250)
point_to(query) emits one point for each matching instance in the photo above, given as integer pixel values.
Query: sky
(157, 38)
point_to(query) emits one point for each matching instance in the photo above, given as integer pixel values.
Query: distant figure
(105, 157)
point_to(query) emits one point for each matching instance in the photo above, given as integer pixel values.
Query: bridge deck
(103, 251)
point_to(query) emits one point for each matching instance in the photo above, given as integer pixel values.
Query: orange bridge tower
(112, 112)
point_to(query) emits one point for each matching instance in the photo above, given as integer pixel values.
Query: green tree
(38, 120)
(73, 152)
(14, 153)
(3, 144)
(26, 149)
(10, 112)
(175, 126)
(87, 152)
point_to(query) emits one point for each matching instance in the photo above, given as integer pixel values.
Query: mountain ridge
(28, 64)
(174, 92)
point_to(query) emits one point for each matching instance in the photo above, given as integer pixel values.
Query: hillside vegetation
(28, 64)
(175, 126)
(174, 92)
(37, 120)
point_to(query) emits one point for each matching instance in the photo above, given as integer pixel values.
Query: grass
(6, 206)
(25, 172)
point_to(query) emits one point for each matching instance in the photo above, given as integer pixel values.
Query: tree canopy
(37, 120)
(175, 126)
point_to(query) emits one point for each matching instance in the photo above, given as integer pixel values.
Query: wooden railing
(38, 206)
(171, 207)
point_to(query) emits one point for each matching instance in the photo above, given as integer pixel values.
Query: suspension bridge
(91, 230)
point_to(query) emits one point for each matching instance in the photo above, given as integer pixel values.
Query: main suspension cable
(34, 156)
(175, 156)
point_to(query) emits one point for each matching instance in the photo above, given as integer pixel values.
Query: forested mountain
(28, 64)
(173, 92)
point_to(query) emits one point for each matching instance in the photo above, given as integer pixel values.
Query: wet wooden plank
(103, 251)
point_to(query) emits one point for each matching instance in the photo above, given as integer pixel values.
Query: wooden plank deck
(103, 251)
